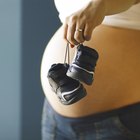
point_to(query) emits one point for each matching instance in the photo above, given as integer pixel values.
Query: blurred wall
(25, 28)
(10, 69)
(39, 22)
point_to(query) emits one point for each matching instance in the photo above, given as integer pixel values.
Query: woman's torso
(117, 75)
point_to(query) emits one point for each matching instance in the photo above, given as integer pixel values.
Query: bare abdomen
(117, 75)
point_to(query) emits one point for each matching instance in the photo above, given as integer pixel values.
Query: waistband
(94, 117)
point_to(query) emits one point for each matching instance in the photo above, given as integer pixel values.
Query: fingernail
(70, 45)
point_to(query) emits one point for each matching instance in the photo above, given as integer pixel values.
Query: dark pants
(121, 124)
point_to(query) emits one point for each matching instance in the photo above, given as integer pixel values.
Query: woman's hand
(78, 27)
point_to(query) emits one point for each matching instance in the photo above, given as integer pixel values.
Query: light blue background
(10, 85)
(25, 28)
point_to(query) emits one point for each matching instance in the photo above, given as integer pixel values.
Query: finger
(79, 33)
(88, 32)
(65, 27)
(70, 34)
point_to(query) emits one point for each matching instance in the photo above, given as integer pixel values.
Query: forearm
(117, 6)
(90, 16)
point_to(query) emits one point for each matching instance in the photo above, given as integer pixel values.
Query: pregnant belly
(117, 75)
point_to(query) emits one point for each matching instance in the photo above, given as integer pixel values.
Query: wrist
(137, 1)
(101, 4)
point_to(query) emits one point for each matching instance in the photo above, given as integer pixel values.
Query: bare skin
(90, 16)
(117, 75)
